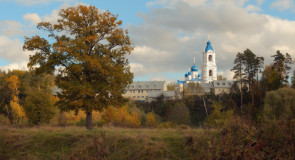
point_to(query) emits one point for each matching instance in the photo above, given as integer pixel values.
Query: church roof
(208, 47)
(194, 68)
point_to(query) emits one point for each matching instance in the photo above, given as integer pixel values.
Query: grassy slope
(99, 143)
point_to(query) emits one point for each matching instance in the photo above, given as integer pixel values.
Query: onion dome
(189, 73)
(186, 75)
(194, 68)
(208, 47)
(199, 75)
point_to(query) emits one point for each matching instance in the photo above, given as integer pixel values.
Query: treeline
(26, 97)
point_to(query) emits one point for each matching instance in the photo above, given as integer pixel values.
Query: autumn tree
(16, 111)
(39, 101)
(88, 50)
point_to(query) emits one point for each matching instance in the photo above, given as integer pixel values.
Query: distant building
(146, 90)
(207, 79)
(167, 95)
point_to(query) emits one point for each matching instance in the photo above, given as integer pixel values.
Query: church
(207, 76)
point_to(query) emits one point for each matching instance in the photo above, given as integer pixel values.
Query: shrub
(218, 118)
(151, 120)
(121, 117)
(179, 114)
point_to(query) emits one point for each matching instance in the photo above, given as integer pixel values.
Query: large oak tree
(88, 50)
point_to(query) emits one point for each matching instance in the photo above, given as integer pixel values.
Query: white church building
(207, 76)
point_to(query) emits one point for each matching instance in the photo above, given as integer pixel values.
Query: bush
(150, 120)
(218, 118)
(179, 114)
(121, 117)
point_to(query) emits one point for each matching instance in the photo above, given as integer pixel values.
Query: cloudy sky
(167, 33)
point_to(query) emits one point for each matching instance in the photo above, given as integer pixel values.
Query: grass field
(99, 143)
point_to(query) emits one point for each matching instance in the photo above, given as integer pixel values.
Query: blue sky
(167, 33)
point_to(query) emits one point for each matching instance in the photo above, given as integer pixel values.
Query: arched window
(210, 58)
(210, 73)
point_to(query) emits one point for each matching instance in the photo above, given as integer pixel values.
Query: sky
(167, 34)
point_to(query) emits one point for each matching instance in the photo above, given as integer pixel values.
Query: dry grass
(48, 142)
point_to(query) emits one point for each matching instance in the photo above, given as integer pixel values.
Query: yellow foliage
(121, 117)
(13, 84)
(151, 120)
(69, 118)
(17, 110)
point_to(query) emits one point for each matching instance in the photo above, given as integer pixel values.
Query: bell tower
(209, 68)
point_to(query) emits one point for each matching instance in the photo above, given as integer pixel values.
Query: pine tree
(238, 69)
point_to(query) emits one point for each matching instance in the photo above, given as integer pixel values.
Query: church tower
(209, 68)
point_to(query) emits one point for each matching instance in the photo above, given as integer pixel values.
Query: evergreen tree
(239, 76)
(88, 49)
(282, 66)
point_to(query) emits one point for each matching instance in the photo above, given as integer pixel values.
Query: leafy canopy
(87, 49)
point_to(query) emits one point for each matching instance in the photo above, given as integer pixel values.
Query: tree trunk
(89, 120)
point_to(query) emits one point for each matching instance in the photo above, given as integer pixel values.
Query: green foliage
(88, 49)
(219, 118)
(39, 101)
(179, 114)
(280, 104)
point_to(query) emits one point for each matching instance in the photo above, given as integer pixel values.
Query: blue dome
(208, 47)
(189, 73)
(199, 75)
(186, 75)
(194, 68)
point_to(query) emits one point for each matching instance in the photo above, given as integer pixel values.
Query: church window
(210, 58)
(210, 73)
(223, 84)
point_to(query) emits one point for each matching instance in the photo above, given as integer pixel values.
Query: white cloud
(12, 66)
(252, 8)
(11, 50)
(11, 28)
(259, 1)
(170, 37)
(32, 17)
(282, 4)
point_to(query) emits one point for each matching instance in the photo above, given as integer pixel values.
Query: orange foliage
(121, 117)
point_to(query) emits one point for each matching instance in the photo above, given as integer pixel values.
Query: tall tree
(88, 49)
(239, 76)
(16, 110)
(282, 66)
